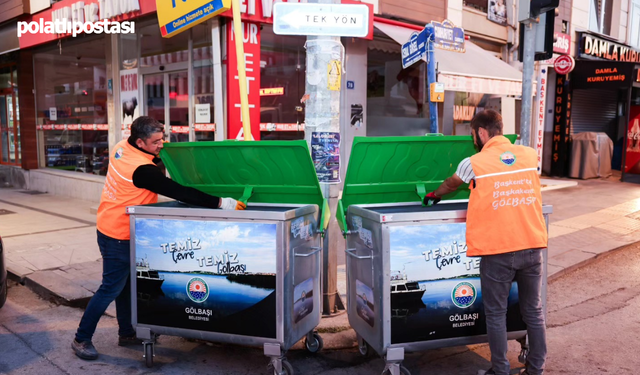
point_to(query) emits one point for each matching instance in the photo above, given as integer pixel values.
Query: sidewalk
(50, 241)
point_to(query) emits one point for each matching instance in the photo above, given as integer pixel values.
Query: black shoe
(486, 372)
(129, 340)
(84, 350)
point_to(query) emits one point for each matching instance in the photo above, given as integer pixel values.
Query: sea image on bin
(302, 299)
(437, 294)
(216, 276)
(364, 302)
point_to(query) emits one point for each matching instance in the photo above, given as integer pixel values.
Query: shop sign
(179, 129)
(346, 20)
(593, 47)
(480, 85)
(74, 127)
(637, 75)
(463, 112)
(564, 64)
(448, 37)
(562, 44)
(203, 113)
(175, 16)
(542, 101)
(205, 127)
(601, 75)
(273, 127)
(414, 49)
(632, 158)
(129, 97)
(251, 39)
(272, 91)
(561, 126)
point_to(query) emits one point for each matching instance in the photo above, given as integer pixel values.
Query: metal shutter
(594, 111)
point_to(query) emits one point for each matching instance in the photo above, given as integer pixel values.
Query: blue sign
(414, 49)
(448, 37)
(351, 85)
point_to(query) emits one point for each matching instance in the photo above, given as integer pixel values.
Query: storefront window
(9, 116)
(71, 99)
(466, 105)
(282, 81)
(396, 97)
(480, 5)
(203, 89)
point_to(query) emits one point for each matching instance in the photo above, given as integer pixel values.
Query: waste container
(410, 285)
(247, 277)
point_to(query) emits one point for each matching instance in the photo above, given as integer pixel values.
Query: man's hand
(231, 204)
(431, 199)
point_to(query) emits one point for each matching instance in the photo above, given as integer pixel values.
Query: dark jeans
(115, 285)
(497, 272)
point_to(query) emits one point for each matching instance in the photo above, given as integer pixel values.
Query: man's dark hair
(144, 126)
(488, 119)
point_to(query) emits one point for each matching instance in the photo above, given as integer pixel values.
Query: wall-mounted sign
(542, 101)
(129, 98)
(436, 92)
(463, 112)
(601, 75)
(321, 19)
(175, 16)
(562, 44)
(203, 113)
(561, 126)
(564, 64)
(497, 11)
(592, 47)
(448, 36)
(272, 91)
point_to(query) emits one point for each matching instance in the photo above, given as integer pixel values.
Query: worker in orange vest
(134, 178)
(506, 228)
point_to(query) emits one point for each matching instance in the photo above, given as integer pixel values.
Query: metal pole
(527, 81)
(322, 115)
(431, 78)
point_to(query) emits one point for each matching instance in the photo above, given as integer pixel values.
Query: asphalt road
(593, 322)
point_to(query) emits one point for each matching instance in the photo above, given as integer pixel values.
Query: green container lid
(396, 169)
(253, 172)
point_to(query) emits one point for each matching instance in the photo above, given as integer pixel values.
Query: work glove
(430, 199)
(231, 204)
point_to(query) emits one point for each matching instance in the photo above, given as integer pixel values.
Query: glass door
(166, 98)
(4, 128)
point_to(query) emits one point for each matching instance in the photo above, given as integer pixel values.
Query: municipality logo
(197, 290)
(119, 153)
(463, 294)
(508, 158)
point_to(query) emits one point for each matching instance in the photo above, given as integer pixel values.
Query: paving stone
(19, 268)
(557, 231)
(603, 247)
(52, 286)
(570, 258)
(553, 270)
(622, 226)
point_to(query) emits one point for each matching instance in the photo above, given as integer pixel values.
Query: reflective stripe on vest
(505, 207)
(120, 192)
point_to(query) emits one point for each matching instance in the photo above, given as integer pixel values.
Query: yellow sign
(334, 71)
(437, 92)
(176, 16)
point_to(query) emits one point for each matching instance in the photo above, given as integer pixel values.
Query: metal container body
(403, 312)
(222, 286)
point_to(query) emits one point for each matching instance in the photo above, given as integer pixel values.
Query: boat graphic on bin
(404, 292)
(148, 280)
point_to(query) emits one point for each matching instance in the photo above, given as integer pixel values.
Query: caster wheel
(314, 345)
(287, 369)
(522, 358)
(363, 347)
(148, 355)
(403, 371)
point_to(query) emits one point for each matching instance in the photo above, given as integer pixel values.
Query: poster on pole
(129, 96)
(325, 153)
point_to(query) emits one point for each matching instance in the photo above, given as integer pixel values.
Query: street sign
(448, 37)
(175, 17)
(414, 49)
(349, 20)
(564, 64)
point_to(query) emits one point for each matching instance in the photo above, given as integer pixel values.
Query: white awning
(476, 70)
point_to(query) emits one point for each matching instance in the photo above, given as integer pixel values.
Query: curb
(586, 262)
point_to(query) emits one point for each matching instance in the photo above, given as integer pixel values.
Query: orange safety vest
(120, 192)
(505, 206)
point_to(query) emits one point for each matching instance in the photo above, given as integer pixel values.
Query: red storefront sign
(562, 44)
(251, 39)
(564, 64)
(632, 158)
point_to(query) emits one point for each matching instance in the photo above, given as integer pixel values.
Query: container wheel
(148, 355)
(403, 371)
(315, 344)
(363, 347)
(522, 358)
(287, 369)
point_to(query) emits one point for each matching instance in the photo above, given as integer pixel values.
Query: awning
(476, 70)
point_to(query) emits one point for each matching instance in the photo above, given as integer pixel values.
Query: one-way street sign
(349, 20)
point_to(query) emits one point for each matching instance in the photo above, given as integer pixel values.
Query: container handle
(248, 192)
(422, 192)
(315, 251)
(351, 254)
(434, 135)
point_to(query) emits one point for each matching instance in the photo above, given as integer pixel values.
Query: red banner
(251, 32)
(632, 159)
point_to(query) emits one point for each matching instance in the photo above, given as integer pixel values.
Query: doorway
(166, 98)
(9, 128)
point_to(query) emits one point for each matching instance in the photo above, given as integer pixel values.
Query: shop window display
(9, 116)
(71, 99)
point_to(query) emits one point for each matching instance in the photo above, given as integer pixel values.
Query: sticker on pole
(325, 152)
(335, 75)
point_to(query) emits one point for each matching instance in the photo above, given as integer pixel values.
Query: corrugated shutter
(594, 111)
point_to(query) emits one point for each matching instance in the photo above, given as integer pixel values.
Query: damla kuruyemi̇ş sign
(207, 275)
(435, 287)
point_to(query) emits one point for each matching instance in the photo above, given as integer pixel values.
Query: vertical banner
(561, 126)
(251, 40)
(325, 153)
(130, 99)
(632, 160)
(541, 107)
